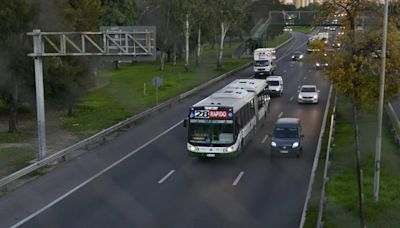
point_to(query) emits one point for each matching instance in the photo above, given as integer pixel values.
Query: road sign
(157, 81)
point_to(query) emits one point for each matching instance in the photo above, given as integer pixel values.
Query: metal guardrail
(315, 162)
(394, 123)
(325, 179)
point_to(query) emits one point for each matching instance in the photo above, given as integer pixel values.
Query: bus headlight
(273, 144)
(295, 145)
(229, 149)
(192, 148)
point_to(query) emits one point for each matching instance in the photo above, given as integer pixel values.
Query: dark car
(287, 138)
(298, 55)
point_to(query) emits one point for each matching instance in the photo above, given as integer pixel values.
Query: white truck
(264, 61)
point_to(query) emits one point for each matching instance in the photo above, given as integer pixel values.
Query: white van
(275, 85)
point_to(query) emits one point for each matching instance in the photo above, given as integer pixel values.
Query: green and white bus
(260, 88)
(221, 124)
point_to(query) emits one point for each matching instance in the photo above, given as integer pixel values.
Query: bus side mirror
(185, 122)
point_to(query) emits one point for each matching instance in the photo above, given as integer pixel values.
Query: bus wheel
(240, 148)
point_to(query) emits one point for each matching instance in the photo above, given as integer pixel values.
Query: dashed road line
(280, 115)
(94, 177)
(291, 99)
(264, 139)
(238, 179)
(166, 176)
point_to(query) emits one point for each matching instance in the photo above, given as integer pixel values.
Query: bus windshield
(205, 132)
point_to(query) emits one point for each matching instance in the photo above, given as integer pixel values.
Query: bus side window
(237, 125)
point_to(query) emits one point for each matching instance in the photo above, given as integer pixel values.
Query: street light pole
(380, 110)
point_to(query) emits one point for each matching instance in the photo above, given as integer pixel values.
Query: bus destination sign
(211, 114)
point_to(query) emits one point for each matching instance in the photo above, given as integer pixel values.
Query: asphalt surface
(157, 184)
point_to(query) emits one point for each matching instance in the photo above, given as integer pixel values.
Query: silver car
(308, 94)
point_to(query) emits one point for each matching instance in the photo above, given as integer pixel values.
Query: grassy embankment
(303, 29)
(278, 39)
(123, 92)
(342, 192)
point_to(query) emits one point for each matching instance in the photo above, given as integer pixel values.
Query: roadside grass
(302, 29)
(129, 90)
(13, 159)
(341, 209)
(278, 39)
(19, 136)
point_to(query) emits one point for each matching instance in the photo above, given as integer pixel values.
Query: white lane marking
(291, 98)
(264, 139)
(238, 179)
(286, 53)
(280, 115)
(94, 177)
(166, 176)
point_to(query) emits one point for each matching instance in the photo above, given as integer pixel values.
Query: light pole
(380, 111)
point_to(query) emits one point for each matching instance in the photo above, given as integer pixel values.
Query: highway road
(144, 177)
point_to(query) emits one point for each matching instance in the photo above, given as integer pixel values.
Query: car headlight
(301, 56)
(300, 97)
(317, 64)
(295, 145)
(292, 56)
(315, 96)
(326, 64)
(273, 144)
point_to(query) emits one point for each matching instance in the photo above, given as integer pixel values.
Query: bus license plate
(284, 151)
(210, 155)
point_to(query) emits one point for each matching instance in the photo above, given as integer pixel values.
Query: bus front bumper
(212, 152)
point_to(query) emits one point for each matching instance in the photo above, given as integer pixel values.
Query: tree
(16, 17)
(83, 15)
(227, 13)
(68, 78)
(355, 69)
(394, 13)
(182, 11)
(201, 15)
(119, 12)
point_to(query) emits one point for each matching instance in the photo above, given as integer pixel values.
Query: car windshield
(286, 132)
(273, 83)
(262, 63)
(210, 132)
(297, 53)
(308, 89)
